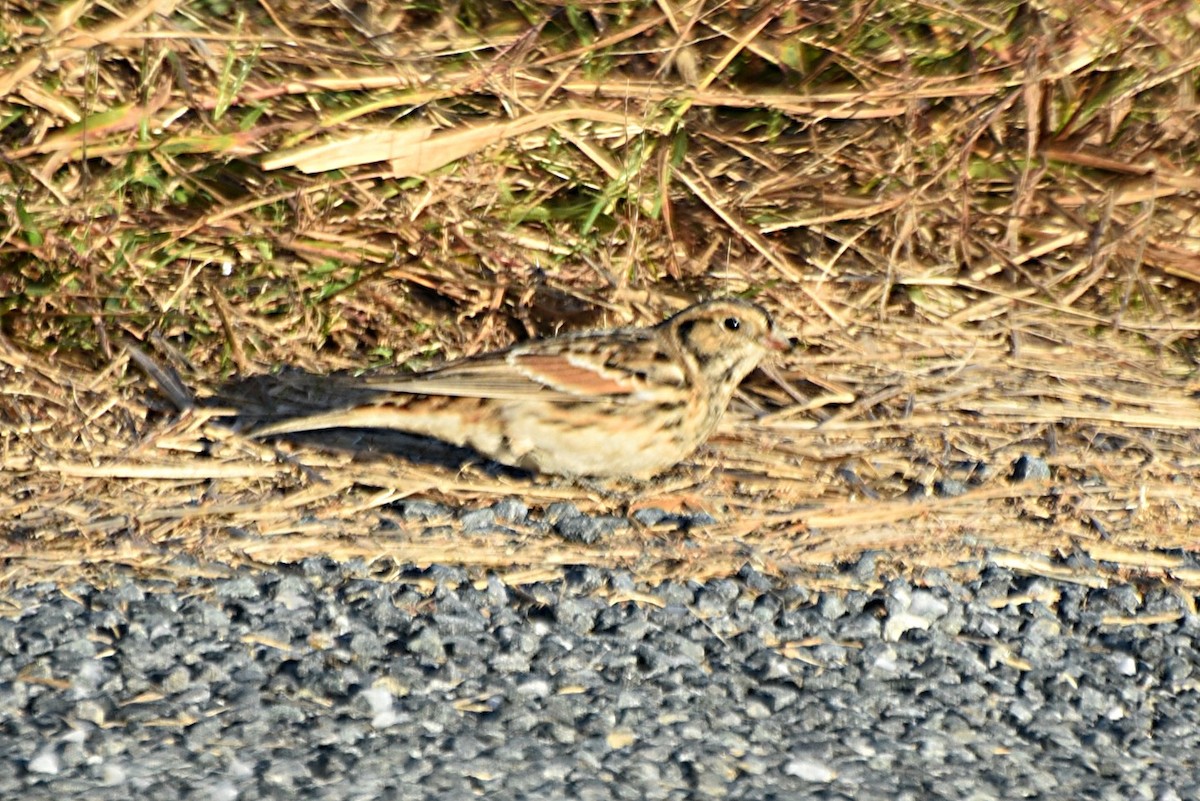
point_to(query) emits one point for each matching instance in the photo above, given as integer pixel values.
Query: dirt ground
(982, 224)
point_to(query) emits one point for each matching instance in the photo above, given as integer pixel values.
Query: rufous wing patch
(560, 372)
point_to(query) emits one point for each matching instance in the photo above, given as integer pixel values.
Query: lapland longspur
(626, 402)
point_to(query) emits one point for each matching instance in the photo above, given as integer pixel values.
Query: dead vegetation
(981, 221)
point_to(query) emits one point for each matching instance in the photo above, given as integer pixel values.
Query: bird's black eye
(732, 323)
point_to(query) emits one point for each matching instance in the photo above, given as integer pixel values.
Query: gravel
(316, 680)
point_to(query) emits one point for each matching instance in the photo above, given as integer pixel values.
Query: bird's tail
(361, 417)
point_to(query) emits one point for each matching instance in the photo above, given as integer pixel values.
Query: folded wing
(591, 369)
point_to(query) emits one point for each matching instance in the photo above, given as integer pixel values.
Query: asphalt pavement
(316, 681)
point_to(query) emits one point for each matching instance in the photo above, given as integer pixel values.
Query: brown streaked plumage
(627, 402)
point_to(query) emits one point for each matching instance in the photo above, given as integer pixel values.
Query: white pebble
(810, 770)
(46, 761)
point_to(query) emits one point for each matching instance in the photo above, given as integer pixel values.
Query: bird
(619, 403)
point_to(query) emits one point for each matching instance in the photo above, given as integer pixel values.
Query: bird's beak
(779, 342)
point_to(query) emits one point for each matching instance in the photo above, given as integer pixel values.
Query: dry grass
(982, 221)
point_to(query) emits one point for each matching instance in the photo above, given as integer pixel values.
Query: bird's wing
(605, 369)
